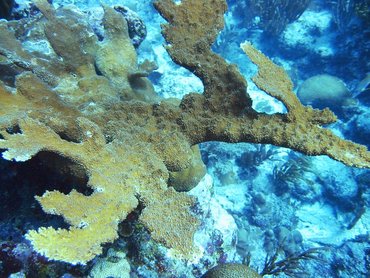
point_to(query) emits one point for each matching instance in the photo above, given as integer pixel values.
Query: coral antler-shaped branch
(35, 117)
(146, 140)
(224, 112)
(310, 137)
(118, 174)
(94, 219)
(274, 81)
(193, 27)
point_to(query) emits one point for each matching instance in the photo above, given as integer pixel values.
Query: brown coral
(128, 142)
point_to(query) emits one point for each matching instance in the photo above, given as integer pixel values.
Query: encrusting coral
(90, 102)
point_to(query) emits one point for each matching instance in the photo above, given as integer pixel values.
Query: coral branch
(224, 112)
(310, 138)
(193, 27)
(112, 125)
(274, 81)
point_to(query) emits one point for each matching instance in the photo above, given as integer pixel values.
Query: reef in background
(90, 102)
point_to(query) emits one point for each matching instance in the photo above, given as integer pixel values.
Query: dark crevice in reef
(14, 129)
(68, 137)
(21, 181)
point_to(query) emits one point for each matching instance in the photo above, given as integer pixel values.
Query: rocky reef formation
(90, 102)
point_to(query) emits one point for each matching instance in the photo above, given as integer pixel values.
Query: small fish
(363, 86)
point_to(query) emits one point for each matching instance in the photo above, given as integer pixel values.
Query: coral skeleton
(90, 101)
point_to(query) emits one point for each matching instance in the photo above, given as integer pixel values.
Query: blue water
(260, 198)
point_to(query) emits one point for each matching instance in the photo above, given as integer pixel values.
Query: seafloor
(254, 200)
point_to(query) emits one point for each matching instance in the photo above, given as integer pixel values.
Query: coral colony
(91, 103)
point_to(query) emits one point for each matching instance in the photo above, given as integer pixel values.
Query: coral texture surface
(90, 102)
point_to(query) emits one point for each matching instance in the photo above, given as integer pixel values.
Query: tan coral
(188, 178)
(128, 146)
(224, 112)
(167, 209)
(94, 219)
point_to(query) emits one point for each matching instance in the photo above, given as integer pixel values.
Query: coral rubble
(89, 101)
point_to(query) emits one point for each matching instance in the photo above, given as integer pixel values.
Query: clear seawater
(261, 198)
